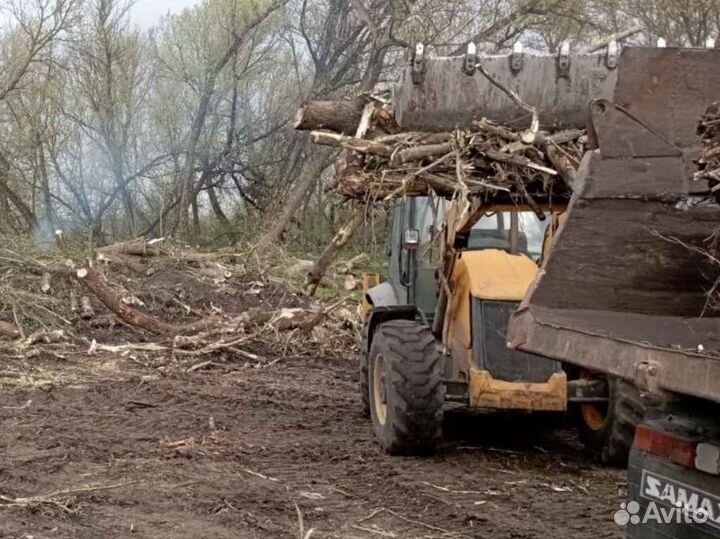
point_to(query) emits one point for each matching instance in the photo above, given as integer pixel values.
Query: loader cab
(414, 250)
(414, 257)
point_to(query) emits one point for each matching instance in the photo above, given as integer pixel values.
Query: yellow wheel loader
(414, 363)
(435, 329)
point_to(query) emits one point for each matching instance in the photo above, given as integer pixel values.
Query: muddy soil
(277, 451)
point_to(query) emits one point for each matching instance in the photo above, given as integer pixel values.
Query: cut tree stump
(9, 330)
(86, 309)
(45, 286)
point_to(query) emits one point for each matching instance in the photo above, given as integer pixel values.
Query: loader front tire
(608, 430)
(406, 389)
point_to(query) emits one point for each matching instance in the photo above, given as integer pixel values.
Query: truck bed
(658, 353)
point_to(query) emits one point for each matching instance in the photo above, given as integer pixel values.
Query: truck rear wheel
(608, 430)
(406, 389)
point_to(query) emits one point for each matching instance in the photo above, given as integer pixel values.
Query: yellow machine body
(494, 275)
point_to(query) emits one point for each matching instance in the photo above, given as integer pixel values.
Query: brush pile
(488, 160)
(201, 310)
(709, 132)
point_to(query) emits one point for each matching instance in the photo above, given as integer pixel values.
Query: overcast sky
(148, 12)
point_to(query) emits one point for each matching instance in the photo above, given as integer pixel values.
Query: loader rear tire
(608, 430)
(406, 389)
(364, 374)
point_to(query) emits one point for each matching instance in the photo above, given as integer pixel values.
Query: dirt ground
(242, 454)
(262, 440)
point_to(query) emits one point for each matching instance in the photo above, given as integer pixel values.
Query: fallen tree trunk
(93, 282)
(132, 248)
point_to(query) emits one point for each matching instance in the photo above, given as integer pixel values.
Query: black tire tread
(414, 365)
(364, 372)
(626, 409)
(629, 410)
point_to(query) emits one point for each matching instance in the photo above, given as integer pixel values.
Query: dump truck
(435, 329)
(624, 290)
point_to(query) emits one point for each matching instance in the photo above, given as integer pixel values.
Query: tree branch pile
(709, 162)
(488, 160)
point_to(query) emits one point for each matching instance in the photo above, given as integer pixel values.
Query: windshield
(492, 231)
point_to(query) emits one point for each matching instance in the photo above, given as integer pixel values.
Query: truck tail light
(666, 445)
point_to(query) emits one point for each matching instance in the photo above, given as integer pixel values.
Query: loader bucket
(623, 292)
(444, 93)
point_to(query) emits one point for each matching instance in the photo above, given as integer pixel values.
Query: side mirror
(411, 241)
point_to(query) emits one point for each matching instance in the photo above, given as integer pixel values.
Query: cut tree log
(614, 37)
(564, 163)
(87, 312)
(497, 130)
(45, 286)
(346, 117)
(354, 262)
(339, 116)
(94, 282)
(132, 248)
(326, 138)
(519, 161)
(418, 153)
(9, 330)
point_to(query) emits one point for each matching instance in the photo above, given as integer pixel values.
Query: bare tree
(244, 19)
(34, 26)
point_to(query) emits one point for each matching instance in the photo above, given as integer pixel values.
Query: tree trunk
(187, 192)
(93, 282)
(5, 190)
(125, 195)
(48, 211)
(4, 213)
(308, 177)
(195, 220)
(328, 256)
(217, 208)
